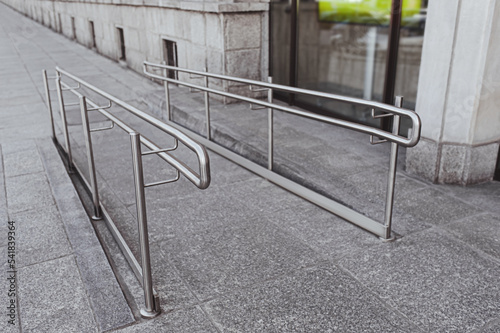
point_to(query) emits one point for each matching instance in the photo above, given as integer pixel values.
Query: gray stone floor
(243, 255)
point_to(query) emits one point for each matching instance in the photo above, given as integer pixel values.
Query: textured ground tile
(55, 282)
(310, 300)
(480, 231)
(27, 192)
(437, 282)
(41, 235)
(217, 260)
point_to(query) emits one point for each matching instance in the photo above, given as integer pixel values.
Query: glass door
(341, 47)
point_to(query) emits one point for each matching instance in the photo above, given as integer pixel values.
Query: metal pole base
(149, 314)
(96, 218)
(388, 240)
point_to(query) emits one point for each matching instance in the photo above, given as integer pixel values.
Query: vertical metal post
(270, 130)
(207, 107)
(294, 53)
(90, 158)
(391, 63)
(167, 95)
(49, 103)
(152, 306)
(64, 123)
(391, 181)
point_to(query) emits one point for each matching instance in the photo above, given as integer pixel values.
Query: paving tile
(485, 196)
(480, 231)
(53, 299)
(187, 320)
(310, 300)
(173, 291)
(23, 162)
(438, 283)
(105, 294)
(492, 327)
(30, 98)
(18, 146)
(329, 235)
(372, 185)
(220, 259)
(11, 133)
(41, 236)
(440, 209)
(97, 276)
(202, 210)
(28, 192)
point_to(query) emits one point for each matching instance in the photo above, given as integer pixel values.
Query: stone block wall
(229, 38)
(458, 93)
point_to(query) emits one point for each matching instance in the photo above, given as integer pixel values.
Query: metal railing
(379, 110)
(200, 178)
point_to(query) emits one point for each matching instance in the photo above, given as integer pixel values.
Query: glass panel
(280, 41)
(340, 58)
(342, 49)
(409, 57)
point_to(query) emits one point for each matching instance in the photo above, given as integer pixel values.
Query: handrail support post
(270, 131)
(207, 106)
(391, 181)
(152, 305)
(167, 95)
(90, 158)
(49, 103)
(64, 123)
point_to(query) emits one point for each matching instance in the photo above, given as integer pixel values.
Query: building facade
(447, 67)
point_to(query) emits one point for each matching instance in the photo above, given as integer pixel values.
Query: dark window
(121, 40)
(73, 27)
(497, 170)
(60, 22)
(92, 34)
(170, 57)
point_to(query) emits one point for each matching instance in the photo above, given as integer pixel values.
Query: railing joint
(100, 107)
(103, 128)
(252, 107)
(163, 182)
(382, 115)
(376, 142)
(158, 151)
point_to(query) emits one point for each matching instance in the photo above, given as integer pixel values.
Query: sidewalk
(243, 255)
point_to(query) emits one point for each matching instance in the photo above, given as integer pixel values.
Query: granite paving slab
(218, 260)
(437, 282)
(28, 192)
(52, 298)
(482, 232)
(318, 299)
(23, 162)
(105, 295)
(41, 236)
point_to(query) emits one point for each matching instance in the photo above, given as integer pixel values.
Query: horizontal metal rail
(200, 178)
(378, 110)
(393, 110)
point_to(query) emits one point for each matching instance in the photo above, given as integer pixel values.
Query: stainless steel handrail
(383, 230)
(401, 140)
(201, 178)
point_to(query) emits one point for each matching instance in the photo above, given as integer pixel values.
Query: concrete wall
(459, 93)
(224, 37)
